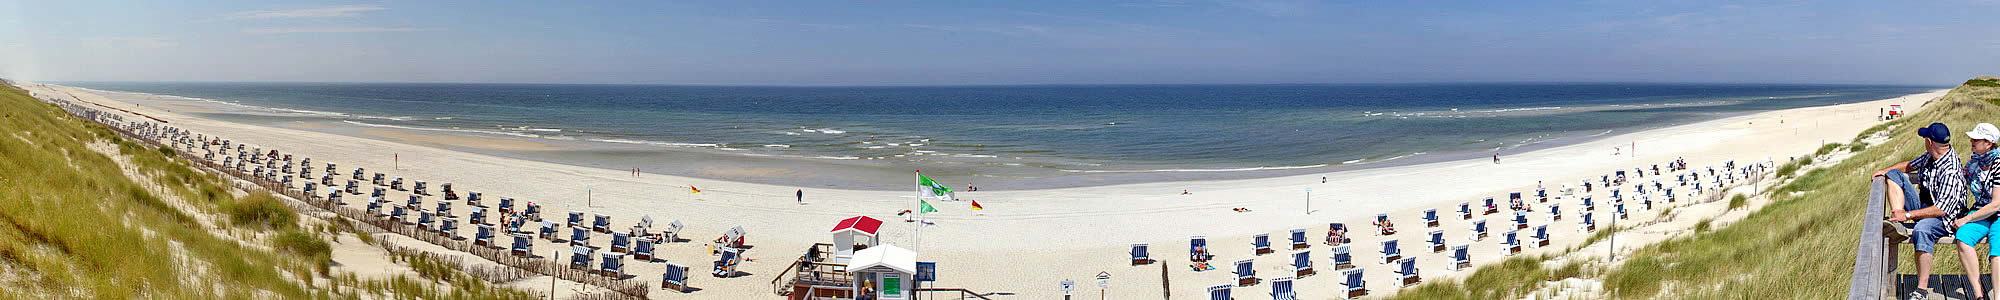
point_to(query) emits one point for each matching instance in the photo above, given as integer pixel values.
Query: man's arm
(1899, 166)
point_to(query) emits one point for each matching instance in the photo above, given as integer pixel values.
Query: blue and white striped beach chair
(1281, 289)
(1431, 217)
(1220, 292)
(1355, 286)
(1342, 256)
(1261, 244)
(578, 236)
(1541, 236)
(1246, 273)
(1406, 269)
(1299, 239)
(523, 245)
(1302, 264)
(1389, 251)
(1461, 257)
(1437, 240)
(1141, 255)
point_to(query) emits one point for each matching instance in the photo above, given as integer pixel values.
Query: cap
(1937, 133)
(1984, 131)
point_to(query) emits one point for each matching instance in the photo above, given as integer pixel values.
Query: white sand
(1027, 241)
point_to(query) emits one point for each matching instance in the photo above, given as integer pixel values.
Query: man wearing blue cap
(1937, 171)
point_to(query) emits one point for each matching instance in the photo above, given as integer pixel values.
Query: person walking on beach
(1982, 172)
(1937, 171)
(802, 196)
(1496, 158)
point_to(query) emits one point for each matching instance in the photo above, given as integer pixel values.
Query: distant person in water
(1185, 192)
(1937, 172)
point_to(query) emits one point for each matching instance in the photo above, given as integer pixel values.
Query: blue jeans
(1926, 232)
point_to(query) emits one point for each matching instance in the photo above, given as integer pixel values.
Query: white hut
(886, 271)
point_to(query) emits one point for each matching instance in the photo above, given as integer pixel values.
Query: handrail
(1868, 281)
(962, 293)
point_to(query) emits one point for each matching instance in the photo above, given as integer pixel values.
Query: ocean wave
(777, 146)
(658, 143)
(1197, 170)
(825, 131)
(517, 134)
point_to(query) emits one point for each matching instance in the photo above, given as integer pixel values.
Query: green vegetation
(73, 224)
(1983, 82)
(1826, 149)
(260, 210)
(1509, 279)
(1796, 245)
(1738, 201)
(1791, 248)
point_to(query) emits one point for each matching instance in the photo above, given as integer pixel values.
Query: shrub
(1738, 201)
(260, 210)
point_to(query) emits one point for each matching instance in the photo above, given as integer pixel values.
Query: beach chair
(1588, 224)
(1261, 244)
(1281, 289)
(444, 207)
(1343, 257)
(1514, 201)
(725, 266)
(580, 256)
(600, 223)
(675, 278)
(414, 202)
(473, 198)
(1336, 234)
(1541, 236)
(611, 264)
(575, 219)
(1464, 211)
(1389, 251)
(672, 232)
(733, 238)
(1431, 217)
(1299, 239)
(1198, 249)
(1302, 264)
(1512, 242)
(1520, 220)
(360, 174)
(478, 215)
(643, 250)
(1588, 204)
(1141, 255)
(1406, 270)
(353, 188)
(335, 197)
(532, 210)
(1555, 212)
(425, 220)
(448, 227)
(1490, 207)
(1246, 273)
(448, 193)
(578, 236)
(1479, 230)
(1220, 292)
(375, 209)
(621, 242)
(1437, 240)
(548, 231)
(420, 188)
(1541, 195)
(1355, 286)
(506, 205)
(1383, 226)
(1620, 210)
(397, 184)
(482, 235)
(1461, 257)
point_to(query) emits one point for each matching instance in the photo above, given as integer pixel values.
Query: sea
(1005, 137)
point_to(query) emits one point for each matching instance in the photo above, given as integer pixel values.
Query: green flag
(926, 207)
(932, 189)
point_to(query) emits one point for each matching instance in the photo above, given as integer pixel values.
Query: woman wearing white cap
(1982, 173)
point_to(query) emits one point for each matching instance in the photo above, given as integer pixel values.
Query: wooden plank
(1869, 281)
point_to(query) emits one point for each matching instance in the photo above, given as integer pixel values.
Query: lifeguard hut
(854, 234)
(1895, 110)
(885, 271)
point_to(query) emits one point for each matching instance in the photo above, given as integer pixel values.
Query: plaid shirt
(1943, 177)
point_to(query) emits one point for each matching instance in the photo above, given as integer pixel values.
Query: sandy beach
(1026, 241)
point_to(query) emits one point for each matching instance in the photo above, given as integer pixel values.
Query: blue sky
(1002, 42)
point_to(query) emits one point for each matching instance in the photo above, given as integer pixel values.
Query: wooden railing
(1872, 260)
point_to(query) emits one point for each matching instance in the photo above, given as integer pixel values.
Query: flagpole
(919, 210)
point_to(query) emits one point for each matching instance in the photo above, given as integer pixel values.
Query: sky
(750, 42)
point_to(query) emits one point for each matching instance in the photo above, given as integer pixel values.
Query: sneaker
(1916, 295)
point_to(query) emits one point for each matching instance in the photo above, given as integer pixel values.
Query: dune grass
(74, 225)
(1799, 246)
